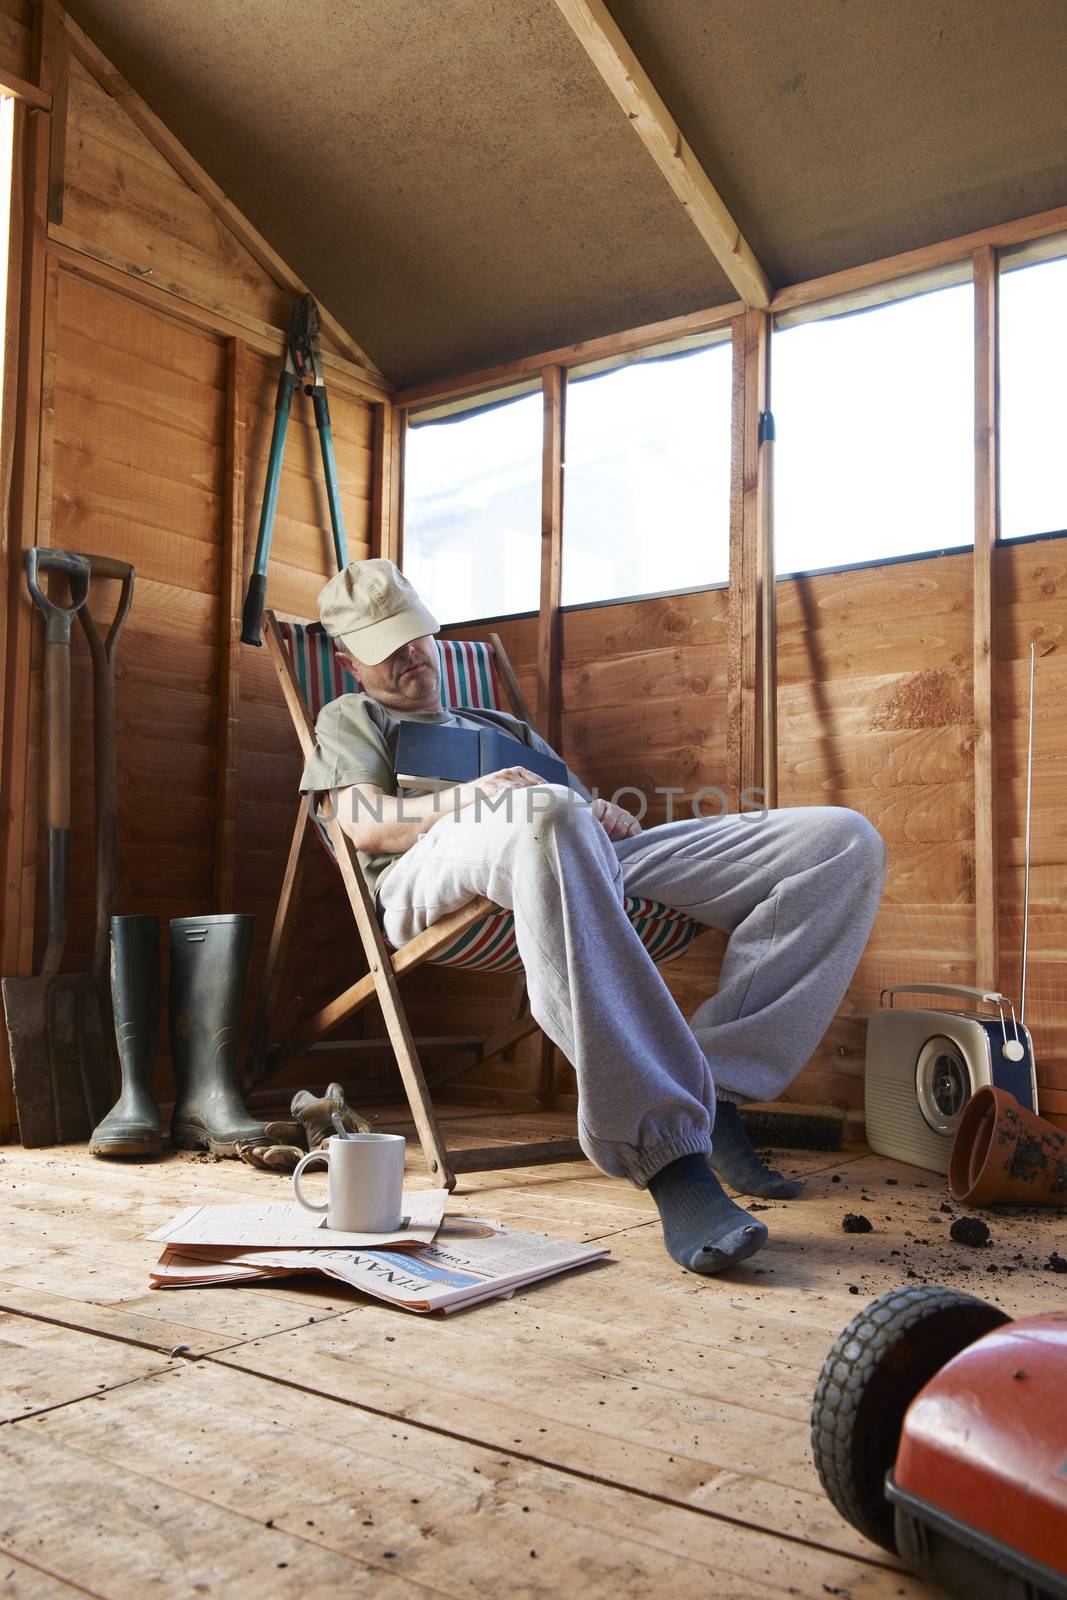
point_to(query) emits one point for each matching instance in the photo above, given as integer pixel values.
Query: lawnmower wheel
(875, 1369)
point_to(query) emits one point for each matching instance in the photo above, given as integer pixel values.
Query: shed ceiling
(455, 182)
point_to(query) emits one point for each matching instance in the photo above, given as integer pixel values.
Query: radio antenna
(1029, 798)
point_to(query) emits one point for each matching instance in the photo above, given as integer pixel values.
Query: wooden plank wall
(136, 423)
(16, 38)
(875, 713)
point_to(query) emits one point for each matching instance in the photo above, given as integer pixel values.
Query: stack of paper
(430, 1263)
(285, 1224)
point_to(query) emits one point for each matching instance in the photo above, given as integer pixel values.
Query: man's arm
(382, 824)
(616, 822)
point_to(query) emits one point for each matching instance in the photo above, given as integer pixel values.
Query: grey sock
(734, 1159)
(702, 1227)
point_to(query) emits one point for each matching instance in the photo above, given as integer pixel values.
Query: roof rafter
(663, 139)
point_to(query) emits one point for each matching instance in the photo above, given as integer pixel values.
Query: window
(646, 501)
(1033, 399)
(874, 415)
(472, 510)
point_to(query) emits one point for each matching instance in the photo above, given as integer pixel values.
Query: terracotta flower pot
(1004, 1155)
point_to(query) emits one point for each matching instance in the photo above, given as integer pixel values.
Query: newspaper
(446, 1275)
(283, 1224)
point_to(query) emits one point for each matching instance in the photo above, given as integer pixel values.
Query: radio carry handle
(1013, 1051)
(962, 989)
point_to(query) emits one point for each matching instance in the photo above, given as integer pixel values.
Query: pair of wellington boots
(209, 959)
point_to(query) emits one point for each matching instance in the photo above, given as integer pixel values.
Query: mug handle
(309, 1205)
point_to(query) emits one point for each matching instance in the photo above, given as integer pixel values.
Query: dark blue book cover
(429, 753)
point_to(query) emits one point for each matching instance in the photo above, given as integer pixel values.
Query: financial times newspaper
(453, 1272)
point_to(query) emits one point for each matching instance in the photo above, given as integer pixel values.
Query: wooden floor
(628, 1430)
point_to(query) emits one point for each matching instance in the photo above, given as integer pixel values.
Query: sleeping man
(795, 889)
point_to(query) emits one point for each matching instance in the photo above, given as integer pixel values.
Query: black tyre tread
(876, 1367)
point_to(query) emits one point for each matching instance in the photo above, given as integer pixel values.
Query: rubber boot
(131, 1127)
(209, 959)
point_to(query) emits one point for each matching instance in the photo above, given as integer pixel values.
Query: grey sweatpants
(796, 890)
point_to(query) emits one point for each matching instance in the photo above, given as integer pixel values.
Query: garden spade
(50, 1107)
(83, 1000)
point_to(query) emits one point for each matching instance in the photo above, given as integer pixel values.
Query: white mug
(365, 1193)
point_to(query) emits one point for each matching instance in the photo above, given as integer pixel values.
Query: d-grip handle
(964, 990)
(322, 1154)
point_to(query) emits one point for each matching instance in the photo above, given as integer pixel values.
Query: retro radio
(923, 1066)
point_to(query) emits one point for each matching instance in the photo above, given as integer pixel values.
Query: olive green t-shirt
(355, 743)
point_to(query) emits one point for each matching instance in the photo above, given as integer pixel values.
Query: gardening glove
(278, 1150)
(315, 1114)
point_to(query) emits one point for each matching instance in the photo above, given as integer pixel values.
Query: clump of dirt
(1028, 1158)
(853, 1222)
(1055, 1263)
(1034, 1155)
(969, 1230)
(928, 699)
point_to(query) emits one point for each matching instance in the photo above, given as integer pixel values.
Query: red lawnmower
(940, 1431)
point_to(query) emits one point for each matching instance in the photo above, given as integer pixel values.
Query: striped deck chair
(481, 936)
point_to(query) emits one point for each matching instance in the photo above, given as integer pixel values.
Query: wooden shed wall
(156, 417)
(17, 38)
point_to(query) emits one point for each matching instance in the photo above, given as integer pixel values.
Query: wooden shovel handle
(58, 618)
(105, 780)
(57, 795)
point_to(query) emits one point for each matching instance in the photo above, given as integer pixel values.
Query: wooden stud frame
(767, 585)
(548, 627)
(232, 580)
(387, 505)
(745, 634)
(16, 786)
(986, 533)
(28, 93)
(57, 52)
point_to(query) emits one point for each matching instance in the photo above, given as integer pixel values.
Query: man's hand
(617, 823)
(494, 783)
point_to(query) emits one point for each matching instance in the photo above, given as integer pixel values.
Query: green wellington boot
(131, 1127)
(209, 959)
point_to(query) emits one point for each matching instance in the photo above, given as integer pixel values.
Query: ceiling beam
(662, 138)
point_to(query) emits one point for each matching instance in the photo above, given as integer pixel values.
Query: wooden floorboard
(374, 1490)
(22, 1580)
(626, 1428)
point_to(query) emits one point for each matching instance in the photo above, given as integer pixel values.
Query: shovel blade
(32, 1069)
(61, 1079)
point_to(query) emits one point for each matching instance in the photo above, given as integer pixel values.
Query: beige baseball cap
(372, 608)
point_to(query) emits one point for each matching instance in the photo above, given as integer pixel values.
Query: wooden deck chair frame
(385, 966)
